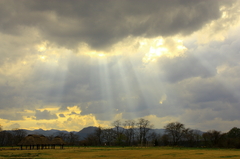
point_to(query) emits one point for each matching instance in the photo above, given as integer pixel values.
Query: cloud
(102, 24)
(45, 115)
(99, 61)
(61, 115)
(14, 126)
(9, 114)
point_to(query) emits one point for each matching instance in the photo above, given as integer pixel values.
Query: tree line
(140, 133)
(13, 137)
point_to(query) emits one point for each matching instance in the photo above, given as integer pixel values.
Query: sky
(72, 64)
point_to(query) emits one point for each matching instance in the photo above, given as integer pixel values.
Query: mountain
(86, 131)
(159, 131)
(46, 132)
(91, 129)
(82, 133)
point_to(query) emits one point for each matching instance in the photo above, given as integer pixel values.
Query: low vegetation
(120, 152)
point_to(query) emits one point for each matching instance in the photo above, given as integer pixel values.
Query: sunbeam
(74, 64)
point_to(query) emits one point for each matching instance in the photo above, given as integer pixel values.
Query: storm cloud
(72, 64)
(101, 24)
(44, 115)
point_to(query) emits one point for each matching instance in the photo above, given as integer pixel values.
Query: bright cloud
(92, 64)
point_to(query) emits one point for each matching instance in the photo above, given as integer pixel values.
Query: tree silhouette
(176, 130)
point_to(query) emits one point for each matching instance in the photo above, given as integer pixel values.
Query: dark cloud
(11, 115)
(103, 23)
(45, 115)
(211, 91)
(204, 80)
(73, 113)
(181, 68)
(108, 89)
(61, 115)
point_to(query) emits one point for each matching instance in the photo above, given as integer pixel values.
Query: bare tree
(73, 138)
(50, 137)
(108, 136)
(64, 136)
(6, 138)
(176, 130)
(117, 124)
(98, 134)
(18, 135)
(90, 140)
(129, 126)
(153, 138)
(143, 126)
(119, 131)
(212, 137)
(192, 137)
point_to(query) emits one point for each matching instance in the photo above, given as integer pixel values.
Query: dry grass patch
(123, 153)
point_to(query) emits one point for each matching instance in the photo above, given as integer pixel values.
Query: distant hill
(82, 133)
(86, 131)
(89, 130)
(53, 132)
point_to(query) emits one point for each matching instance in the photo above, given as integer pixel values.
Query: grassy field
(123, 153)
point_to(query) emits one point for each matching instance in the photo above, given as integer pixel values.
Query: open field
(123, 153)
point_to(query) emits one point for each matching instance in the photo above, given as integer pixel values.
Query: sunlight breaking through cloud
(68, 68)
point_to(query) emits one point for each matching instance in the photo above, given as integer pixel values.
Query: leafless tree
(153, 138)
(108, 136)
(143, 128)
(192, 137)
(98, 134)
(212, 137)
(6, 138)
(64, 136)
(129, 126)
(90, 140)
(18, 135)
(50, 137)
(176, 130)
(117, 124)
(119, 132)
(165, 140)
(73, 138)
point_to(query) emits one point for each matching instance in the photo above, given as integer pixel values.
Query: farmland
(120, 152)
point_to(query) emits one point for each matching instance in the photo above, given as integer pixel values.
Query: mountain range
(82, 133)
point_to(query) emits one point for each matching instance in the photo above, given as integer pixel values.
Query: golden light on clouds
(96, 54)
(71, 121)
(48, 108)
(169, 47)
(75, 109)
(42, 47)
(67, 69)
(43, 57)
(162, 99)
(152, 48)
(218, 30)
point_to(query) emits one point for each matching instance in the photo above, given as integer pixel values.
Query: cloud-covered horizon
(72, 64)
